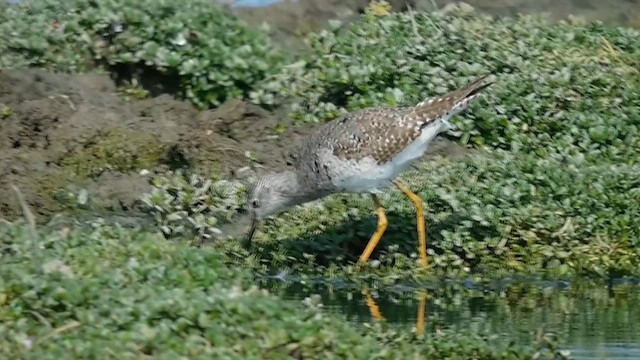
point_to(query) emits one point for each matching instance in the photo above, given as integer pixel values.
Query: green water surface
(591, 321)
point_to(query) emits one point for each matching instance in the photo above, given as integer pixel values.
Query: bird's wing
(379, 133)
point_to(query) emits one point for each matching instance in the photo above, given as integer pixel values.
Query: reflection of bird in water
(374, 309)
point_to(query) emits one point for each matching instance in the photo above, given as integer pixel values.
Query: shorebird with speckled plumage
(362, 152)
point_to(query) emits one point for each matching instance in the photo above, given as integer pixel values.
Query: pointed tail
(452, 103)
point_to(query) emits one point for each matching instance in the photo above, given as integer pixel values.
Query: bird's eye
(254, 204)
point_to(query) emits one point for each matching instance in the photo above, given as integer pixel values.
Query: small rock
(243, 172)
(57, 266)
(459, 7)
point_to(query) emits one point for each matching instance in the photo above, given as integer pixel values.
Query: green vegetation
(212, 55)
(193, 207)
(114, 293)
(553, 192)
(5, 111)
(492, 218)
(556, 85)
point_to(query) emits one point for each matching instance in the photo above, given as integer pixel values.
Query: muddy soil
(61, 133)
(619, 12)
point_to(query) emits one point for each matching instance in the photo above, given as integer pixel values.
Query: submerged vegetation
(553, 190)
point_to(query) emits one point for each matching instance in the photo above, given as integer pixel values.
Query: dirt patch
(618, 12)
(63, 133)
(242, 133)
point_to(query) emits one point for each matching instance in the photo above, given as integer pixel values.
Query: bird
(361, 152)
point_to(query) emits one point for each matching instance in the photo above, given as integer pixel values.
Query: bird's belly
(370, 182)
(367, 176)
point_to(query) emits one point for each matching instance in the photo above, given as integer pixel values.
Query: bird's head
(269, 195)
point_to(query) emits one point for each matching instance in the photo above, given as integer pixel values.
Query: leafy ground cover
(552, 192)
(194, 47)
(474, 228)
(108, 292)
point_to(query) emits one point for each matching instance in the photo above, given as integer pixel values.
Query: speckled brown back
(383, 132)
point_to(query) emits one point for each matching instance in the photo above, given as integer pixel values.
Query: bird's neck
(296, 190)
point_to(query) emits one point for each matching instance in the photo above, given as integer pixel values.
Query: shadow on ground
(345, 243)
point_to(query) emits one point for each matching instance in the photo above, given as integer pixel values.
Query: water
(591, 322)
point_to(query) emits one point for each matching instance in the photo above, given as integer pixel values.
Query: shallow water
(592, 322)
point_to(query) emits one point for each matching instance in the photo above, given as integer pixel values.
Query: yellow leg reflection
(374, 309)
(422, 307)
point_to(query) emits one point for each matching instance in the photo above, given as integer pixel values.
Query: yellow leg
(422, 238)
(421, 310)
(373, 307)
(382, 226)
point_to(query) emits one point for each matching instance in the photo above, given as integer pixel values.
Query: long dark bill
(252, 230)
